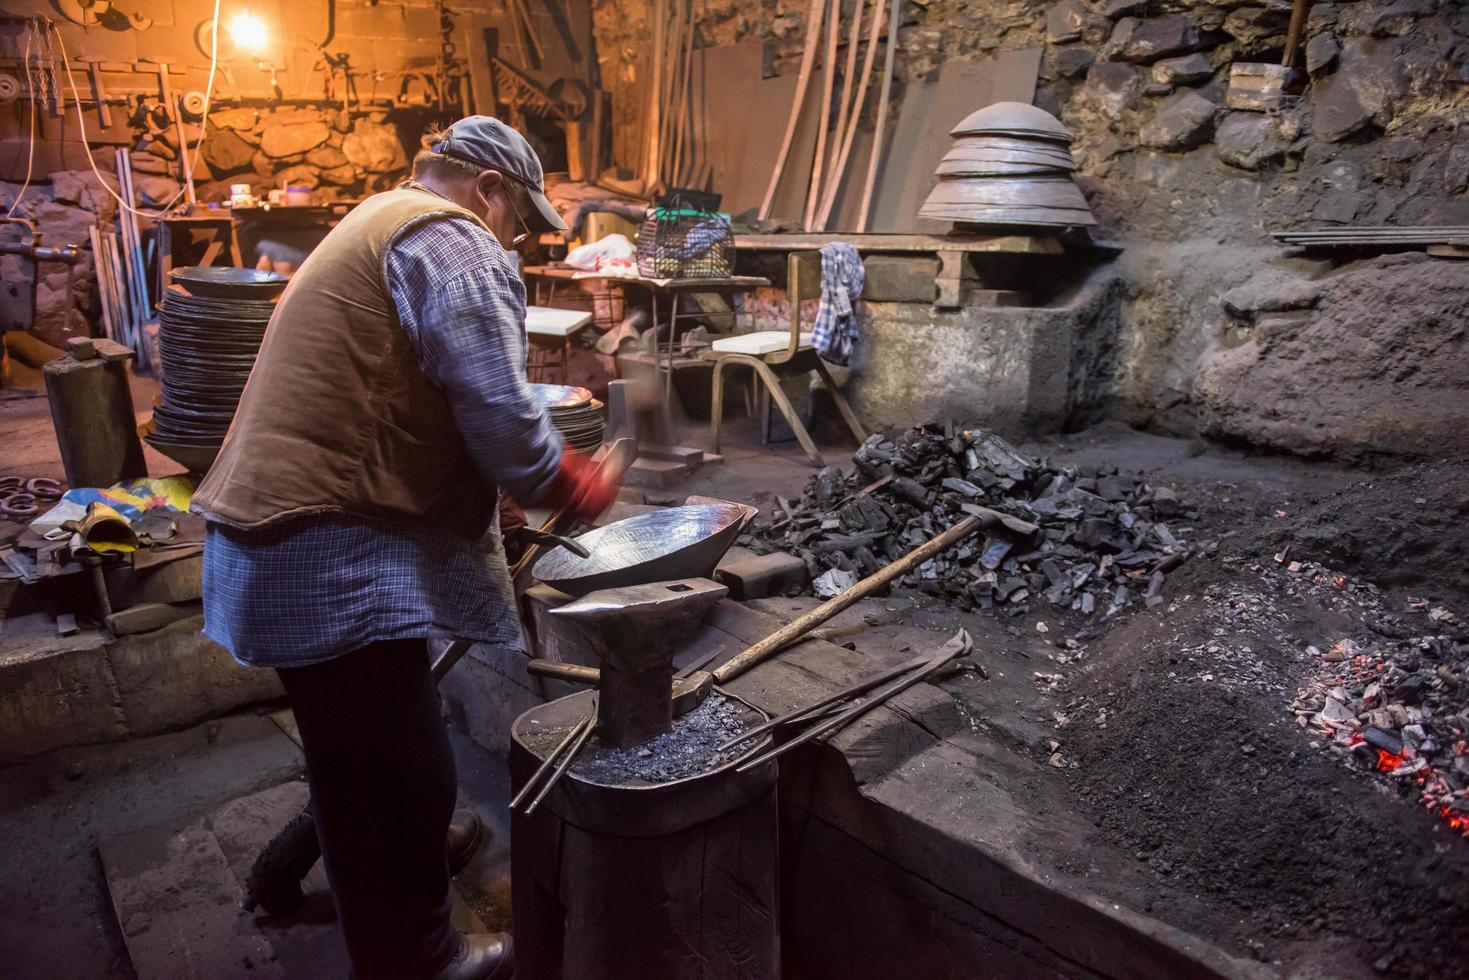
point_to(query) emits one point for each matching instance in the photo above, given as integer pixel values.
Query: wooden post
(828, 80)
(882, 116)
(845, 151)
(808, 57)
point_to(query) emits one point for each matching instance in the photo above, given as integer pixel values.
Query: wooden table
(553, 328)
(952, 251)
(665, 361)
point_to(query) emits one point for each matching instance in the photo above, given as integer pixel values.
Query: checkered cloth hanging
(834, 334)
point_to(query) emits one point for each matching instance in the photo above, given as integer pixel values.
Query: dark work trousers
(383, 790)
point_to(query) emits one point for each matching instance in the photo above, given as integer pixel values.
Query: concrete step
(59, 691)
(176, 893)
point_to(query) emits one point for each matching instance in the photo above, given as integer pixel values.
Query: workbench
(220, 232)
(952, 251)
(548, 328)
(665, 361)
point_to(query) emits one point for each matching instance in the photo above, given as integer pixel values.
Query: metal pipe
(69, 254)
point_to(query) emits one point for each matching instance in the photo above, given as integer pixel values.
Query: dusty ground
(1171, 732)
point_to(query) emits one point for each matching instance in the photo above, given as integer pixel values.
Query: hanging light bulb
(248, 32)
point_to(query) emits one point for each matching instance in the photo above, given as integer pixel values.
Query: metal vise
(635, 631)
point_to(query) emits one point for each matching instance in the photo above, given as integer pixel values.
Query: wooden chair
(777, 354)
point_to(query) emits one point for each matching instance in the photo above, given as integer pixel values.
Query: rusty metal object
(634, 631)
(679, 542)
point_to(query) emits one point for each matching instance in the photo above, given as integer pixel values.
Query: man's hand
(580, 488)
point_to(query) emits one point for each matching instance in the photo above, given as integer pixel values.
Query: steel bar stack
(1375, 236)
(121, 265)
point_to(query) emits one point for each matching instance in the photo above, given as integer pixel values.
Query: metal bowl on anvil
(673, 543)
(229, 283)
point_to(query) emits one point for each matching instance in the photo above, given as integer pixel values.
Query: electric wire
(188, 163)
(31, 96)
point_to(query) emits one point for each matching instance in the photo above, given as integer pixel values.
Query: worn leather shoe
(481, 956)
(466, 832)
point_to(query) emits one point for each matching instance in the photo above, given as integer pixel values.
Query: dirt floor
(1165, 734)
(1170, 730)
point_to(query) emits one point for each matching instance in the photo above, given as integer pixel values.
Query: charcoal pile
(1104, 540)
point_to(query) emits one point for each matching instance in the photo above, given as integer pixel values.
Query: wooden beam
(828, 80)
(884, 98)
(803, 78)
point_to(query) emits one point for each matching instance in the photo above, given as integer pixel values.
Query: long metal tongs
(557, 762)
(908, 674)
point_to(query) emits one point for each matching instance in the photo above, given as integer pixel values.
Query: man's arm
(463, 308)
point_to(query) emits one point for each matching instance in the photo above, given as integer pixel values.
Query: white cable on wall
(31, 96)
(189, 164)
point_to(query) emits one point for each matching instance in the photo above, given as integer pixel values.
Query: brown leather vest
(336, 415)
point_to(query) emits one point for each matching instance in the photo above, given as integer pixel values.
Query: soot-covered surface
(687, 750)
(1176, 736)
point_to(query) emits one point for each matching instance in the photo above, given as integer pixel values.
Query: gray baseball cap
(487, 142)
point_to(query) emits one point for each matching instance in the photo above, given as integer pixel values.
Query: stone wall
(1191, 186)
(343, 126)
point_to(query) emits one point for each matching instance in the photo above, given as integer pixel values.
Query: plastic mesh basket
(685, 243)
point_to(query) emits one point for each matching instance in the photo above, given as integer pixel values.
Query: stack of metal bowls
(209, 334)
(1010, 165)
(574, 413)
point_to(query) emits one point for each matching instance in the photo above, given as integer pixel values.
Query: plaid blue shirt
(315, 587)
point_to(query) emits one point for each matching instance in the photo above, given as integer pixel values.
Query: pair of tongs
(898, 679)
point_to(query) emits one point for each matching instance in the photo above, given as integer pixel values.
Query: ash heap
(1103, 542)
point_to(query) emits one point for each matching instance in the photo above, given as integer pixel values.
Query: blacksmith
(352, 518)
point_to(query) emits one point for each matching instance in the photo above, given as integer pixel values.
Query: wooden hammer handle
(797, 628)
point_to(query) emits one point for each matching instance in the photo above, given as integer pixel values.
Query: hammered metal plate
(662, 545)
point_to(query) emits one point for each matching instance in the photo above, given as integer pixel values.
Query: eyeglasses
(519, 239)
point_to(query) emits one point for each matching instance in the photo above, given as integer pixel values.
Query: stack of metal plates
(574, 413)
(208, 344)
(1010, 165)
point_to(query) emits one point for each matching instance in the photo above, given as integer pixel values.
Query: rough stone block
(1071, 61)
(1256, 27)
(1183, 71)
(900, 278)
(1158, 37)
(286, 140)
(751, 576)
(54, 691)
(1249, 140)
(1321, 53)
(226, 153)
(175, 676)
(1064, 21)
(1114, 85)
(374, 147)
(1181, 122)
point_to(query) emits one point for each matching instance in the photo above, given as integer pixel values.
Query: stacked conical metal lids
(574, 413)
(1010, 165)
(208, 338)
